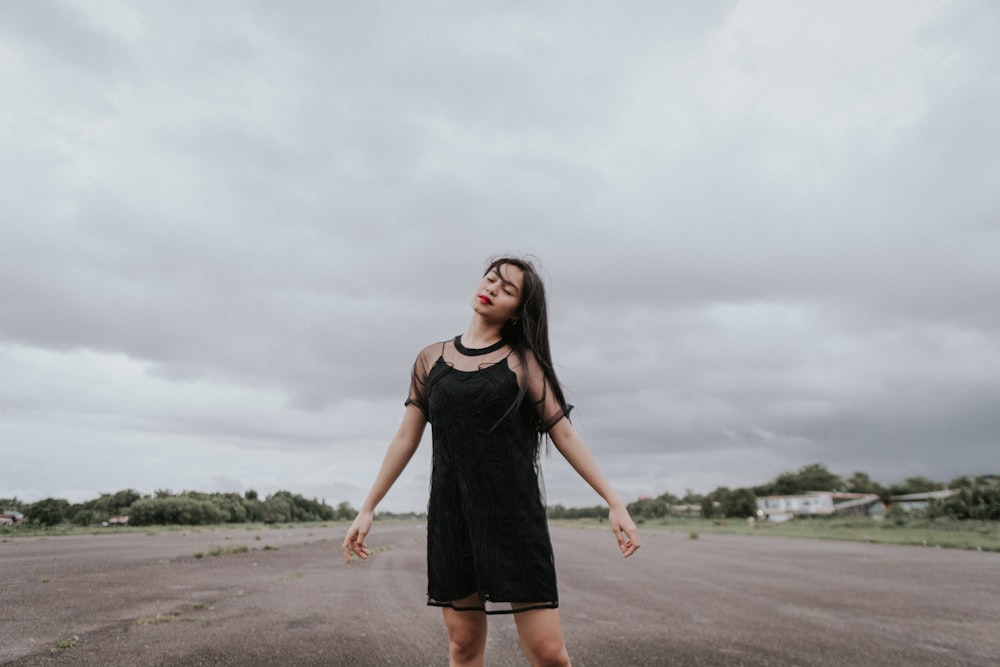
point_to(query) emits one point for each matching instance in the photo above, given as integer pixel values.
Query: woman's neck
(480, 333)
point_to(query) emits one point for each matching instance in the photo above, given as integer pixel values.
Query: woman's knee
(541, 637)
(466, 636)
(549, 652)
(465, 643)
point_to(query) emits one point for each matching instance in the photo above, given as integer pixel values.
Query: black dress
(487, 533)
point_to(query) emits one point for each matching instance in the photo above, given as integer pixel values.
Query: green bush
(183, 511)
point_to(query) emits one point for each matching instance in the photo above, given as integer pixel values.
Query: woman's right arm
(401, 449)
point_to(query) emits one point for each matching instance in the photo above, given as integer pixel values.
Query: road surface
(145, 599)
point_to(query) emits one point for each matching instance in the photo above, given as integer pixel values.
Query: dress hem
(494, 612)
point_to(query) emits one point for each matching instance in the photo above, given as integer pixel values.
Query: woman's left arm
(571, 446)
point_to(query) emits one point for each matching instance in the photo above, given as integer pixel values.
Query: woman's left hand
(624, 529)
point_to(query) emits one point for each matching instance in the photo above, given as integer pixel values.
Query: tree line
(190, 508)
(974, 498)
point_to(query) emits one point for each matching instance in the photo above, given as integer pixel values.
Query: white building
(817, 503)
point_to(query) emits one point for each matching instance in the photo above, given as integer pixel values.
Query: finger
(348, 545)
(632, 543)
(619, 538)
(360, 550)
(359, 547)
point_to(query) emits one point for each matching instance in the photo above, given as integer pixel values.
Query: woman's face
(498, 294)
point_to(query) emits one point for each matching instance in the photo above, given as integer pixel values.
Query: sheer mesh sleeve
(418, 377)
(548, 404)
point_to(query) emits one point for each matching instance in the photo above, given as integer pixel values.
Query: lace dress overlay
(487, 534)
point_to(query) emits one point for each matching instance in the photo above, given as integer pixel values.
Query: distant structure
(818, 503)
(919, 501)
(10, 518)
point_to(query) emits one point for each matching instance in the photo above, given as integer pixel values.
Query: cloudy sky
(770, 230)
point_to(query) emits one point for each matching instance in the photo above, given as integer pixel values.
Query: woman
(490, 395)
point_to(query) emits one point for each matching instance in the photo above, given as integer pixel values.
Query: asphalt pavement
(288, 599)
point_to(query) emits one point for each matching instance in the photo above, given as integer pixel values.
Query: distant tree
(255, 509)
(963, 482)
(124, 499)
(812, 477)
(977, 498)
(345, 512)
(10, 504)
(740, 503)
(278, 508)
(917, 484)
(649, 508)
(669, 498)
(83, 517)
(692, 498)
(47, 512)
(112, 504)
(557, 511)
(715, 502)
(860, 482)
(707, 507)
(176, 510)
(232, 504)
(300, 508)
(250, 494)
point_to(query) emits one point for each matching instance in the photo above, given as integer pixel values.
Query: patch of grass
(693, 535)
(63, 643)
(268, 547)
(228, 550)
(916, 531)
(172, 617)
(15, 534)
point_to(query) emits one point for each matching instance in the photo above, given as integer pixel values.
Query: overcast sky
(770, 230)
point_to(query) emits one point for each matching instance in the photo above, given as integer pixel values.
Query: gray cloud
(769, 234)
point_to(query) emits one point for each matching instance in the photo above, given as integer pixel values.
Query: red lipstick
(485, 299)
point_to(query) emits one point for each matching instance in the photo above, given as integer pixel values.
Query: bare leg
(541, 637)
(466, 634)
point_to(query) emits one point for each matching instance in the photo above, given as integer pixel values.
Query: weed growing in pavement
(224, 550)
(63, 643)
(172, 617)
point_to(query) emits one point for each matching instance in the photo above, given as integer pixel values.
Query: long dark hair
(528, 330)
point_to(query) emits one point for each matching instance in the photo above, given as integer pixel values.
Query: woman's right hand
(356, 535)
